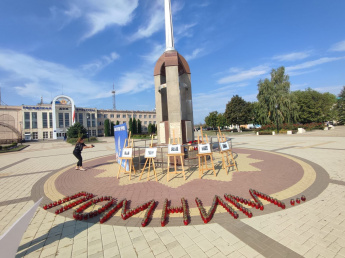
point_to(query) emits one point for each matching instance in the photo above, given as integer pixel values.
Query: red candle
(292, 202)
(298, 200)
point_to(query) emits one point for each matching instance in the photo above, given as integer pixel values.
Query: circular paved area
(281, 176)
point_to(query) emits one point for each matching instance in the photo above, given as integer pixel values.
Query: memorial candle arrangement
(181, 209)
(79, 215)
(111, 207)
(66, 199)
(207, 216)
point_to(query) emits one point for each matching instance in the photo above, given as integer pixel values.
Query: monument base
(182, 130)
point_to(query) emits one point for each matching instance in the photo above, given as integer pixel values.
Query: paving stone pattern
(312, 229)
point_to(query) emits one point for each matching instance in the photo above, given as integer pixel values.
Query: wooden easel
(202, 157)
(130, 160)
(153, 165)
(175, 161)
(227, 154)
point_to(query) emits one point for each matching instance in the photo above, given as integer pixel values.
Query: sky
(81, 48)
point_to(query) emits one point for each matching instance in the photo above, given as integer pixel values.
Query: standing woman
(80, 145)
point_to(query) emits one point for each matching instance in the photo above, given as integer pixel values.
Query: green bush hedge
(74, 140)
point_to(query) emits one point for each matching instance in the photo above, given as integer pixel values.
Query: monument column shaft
(169, 33)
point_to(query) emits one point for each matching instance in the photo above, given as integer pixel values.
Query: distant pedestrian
(80, 145)
(65, 137)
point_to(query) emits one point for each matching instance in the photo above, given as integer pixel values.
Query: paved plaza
(283, 166)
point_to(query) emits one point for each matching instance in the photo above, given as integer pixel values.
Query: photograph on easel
(204, 148)
(174, 149)
(126, 153)
(150, 152)
(224, 146)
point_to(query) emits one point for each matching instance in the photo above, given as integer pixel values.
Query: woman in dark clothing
(80, 145)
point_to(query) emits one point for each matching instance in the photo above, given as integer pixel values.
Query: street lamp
(21, 132)
(277, 117)
(88, 127)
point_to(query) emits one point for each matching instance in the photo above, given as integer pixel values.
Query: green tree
(238, 111)
(77, 130)
(130, 125)
(275, 100)
(221, 120)
(211, 119)
(117, 122)
(341, 107)
(135, 126)
(150, 129)
(315, 106)
(139, 126)
(112, 128)
(106, 127)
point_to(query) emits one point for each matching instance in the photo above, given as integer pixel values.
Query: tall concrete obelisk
(173, 91)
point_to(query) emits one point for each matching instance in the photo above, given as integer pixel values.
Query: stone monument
(173, 90)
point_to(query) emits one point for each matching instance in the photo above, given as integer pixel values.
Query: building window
(129, 116)
(51, 121)
(27, 120)
(66, 119)
(154, 116)
(45, 120)
(124, 122)
(34, 119)
(88, 120)
(99, 131)
(140, 116)
(105, 116)
(93, 132)
(81, 118)
(99, 115)
(123, 116)
(45, 135)
(134, 116)
(50, 134)
(154, 122)
(145, 116)
(150, 122)
(145, 122)
(60, 120)
(149, 116)
(111, 115)
(93, 120)
(35, 135)
(100, 123)
(118, 116)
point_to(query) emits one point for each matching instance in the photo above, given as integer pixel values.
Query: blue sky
(80, 47)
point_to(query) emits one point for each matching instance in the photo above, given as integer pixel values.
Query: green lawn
(18, 148)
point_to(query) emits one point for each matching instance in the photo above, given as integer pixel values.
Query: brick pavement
(313, 229)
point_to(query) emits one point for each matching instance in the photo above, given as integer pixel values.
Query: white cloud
(312, 63)
(101, 14)
(32, 77)
(292, 56)
(340, 46)
(296, 73)
(196, 53)
(331, 89)
(237, 75)
(157, 51)
(99, 64)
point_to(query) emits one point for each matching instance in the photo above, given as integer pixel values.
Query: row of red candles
(125, 214)
(67, 198)
(181, 209)
(207, 216)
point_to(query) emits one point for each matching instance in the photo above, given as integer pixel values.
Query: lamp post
(88, 127)
(277, 117)
(21, 132)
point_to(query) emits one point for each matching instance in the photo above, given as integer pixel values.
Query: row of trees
(277, 104)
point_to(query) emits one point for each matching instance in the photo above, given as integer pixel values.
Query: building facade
(51, 121)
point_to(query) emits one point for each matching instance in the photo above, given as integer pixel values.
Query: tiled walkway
(315, 228)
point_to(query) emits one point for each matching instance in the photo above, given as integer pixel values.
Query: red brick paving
(277, 173)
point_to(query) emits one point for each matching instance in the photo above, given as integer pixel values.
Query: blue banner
(120, 135)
